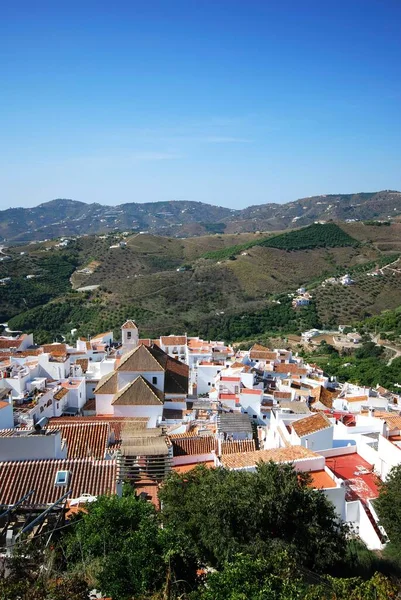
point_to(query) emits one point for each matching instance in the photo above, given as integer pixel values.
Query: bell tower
(130, 334)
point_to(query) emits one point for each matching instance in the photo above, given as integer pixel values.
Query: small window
(154, 380)
(61, 478)
(129, 334)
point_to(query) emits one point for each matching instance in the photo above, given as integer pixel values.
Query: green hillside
(166, 283)
(327, 235)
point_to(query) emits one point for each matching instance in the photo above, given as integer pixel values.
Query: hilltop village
(78, 421)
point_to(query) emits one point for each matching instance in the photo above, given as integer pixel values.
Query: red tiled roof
(56, 349)
(292, 368)
(6, 344)
(194, 445)
(87, 477)
(83, 363)
(250, 459)
(116, 424)
(251, 391)
(173, 340)
(309, 425)
(85, 439)
(238, 446)
(356, 398)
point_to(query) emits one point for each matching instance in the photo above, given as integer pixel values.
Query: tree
(276, 576)
(271, 577)
(388, 506)
(120, 545)
(118, 540)
(224, 513)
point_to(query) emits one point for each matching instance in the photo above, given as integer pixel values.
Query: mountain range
(65, 217)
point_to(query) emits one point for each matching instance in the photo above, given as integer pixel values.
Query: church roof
(140, 359)
(107, 384)
(138, 393)
(129, 325)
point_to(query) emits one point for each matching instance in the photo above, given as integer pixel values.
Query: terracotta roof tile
(88, 476)
(356, 398)
(56, 349)
(83, 363)
(250, 459)
(173, 340)
(238, 446)
(85, 440)
(292, 368)
(193, 445)
(309, 425)
(261, 352)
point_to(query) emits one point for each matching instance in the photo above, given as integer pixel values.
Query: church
(145, 380)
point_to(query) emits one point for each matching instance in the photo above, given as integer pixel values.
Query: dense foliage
(230, 520)
(388, 323)
(277, 317)
(388, 507)
(328, 235)
(221, 535)
(367, 366)
(89, 318)
(52, 273)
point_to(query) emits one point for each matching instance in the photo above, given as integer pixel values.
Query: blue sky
(222, 101)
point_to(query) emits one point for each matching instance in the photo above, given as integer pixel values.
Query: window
(62, 478)
(129, 334)
(154, 380)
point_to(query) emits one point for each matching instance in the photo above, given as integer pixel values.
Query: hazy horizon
(211, 203)
(231, 103)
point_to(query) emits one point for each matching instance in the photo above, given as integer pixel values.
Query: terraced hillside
(168, 284)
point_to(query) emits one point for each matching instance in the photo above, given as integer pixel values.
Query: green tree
(271, 577)
(388, 506)
(118, 540)
(224, 513)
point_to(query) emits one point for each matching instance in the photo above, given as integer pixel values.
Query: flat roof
(360, 481)
(322, 480)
